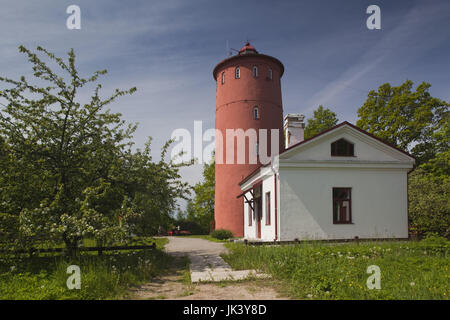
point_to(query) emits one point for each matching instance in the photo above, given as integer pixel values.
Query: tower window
(342, 148)
(255, 71)
(237, 73)
(270, 74)
(223, 77)
(255, 113)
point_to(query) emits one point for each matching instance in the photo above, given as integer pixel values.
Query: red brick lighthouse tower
(248, 95)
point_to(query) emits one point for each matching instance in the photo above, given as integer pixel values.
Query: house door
(258, 215)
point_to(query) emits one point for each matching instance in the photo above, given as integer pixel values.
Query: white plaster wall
(379, 203)
(268, 231)
(249, 231)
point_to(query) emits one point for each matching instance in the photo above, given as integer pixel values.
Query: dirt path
(176, 284)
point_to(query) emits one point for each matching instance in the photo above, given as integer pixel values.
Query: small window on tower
(238, 73)
(270, 74)
(255, 113)
(255, 71)
(223, 77)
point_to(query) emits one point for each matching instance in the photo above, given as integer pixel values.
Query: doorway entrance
(258, 209)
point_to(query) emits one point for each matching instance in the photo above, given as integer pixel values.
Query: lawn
(102, 277)
(409, 270)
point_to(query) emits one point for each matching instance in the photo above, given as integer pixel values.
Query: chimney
(294, 128)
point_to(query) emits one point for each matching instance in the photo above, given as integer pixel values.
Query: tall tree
(429, 205)
(203, 202)
(322, 120)
(153, 189)
(406, 118)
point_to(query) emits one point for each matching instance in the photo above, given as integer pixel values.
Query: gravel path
(206, 265)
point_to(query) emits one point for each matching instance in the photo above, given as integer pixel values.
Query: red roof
(247, 52)
(247, 47)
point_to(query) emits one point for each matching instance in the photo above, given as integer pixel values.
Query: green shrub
(433, 239)
(222, 234)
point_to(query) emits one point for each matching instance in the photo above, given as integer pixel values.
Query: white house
(339, 184)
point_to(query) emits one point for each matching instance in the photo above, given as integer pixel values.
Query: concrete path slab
(206, 262)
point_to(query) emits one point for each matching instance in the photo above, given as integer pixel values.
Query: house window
(256, 113)
(255, 71)
(223, 77)
(237, 73)
(267, 208)
(270, 74)
(250, 215)
(342, 205)
(342, 147)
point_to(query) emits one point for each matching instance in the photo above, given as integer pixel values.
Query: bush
(222, 234)
(433, 239)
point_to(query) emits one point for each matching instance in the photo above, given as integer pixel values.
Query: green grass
(102, 277)
(409, 270)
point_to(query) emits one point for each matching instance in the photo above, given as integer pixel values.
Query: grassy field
(102, 277)
(409, 270)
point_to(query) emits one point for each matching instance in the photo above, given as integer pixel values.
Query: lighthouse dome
(247, 48)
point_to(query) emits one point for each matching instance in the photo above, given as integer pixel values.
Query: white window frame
(237, 73)
(223, 77)
(270, 74)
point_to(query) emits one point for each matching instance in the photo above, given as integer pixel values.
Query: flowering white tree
(68, 168)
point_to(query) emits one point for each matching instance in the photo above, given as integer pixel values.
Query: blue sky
(168, 49)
